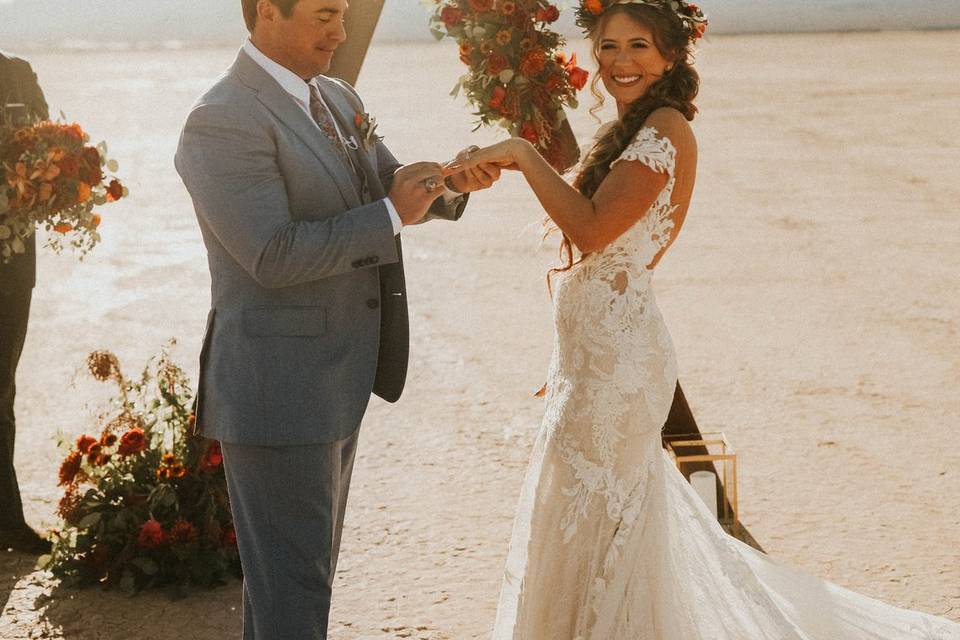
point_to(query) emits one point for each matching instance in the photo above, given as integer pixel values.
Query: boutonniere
(367, 127)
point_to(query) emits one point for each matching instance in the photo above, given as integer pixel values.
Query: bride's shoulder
(668, 123)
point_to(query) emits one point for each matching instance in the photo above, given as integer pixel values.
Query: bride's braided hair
(677, 88)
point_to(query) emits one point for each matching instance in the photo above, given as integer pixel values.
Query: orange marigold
(182, 532)
(533, 63)
(70, 467)
(594, 6)
(504, 36)
(84, 443)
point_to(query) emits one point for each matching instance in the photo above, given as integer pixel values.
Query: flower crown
(694, 22)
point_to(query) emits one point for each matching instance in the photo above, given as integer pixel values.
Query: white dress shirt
(300, 92)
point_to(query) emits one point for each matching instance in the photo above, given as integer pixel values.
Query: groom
(300, 207)
(18, 89)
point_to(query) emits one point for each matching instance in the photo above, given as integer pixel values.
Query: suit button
(373, 303)
(374, 260)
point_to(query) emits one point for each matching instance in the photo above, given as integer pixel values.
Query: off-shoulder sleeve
(651, 149)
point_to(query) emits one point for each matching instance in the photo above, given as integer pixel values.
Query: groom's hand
(415, 187)
(475, 178)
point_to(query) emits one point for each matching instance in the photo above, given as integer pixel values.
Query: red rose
(548, 14)
(108, 439)
(84, 443)
(212, 457)
(529, 132)
(229, 537)
(114, 191)
(533, 63)
(152, 535)
(496, 99)
(70, 467)
(451, 16)
(133, 441)
(496, 63)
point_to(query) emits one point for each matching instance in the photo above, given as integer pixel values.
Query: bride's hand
(507, 154)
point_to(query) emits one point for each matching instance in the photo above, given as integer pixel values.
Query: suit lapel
(344, 114)
(285, 108)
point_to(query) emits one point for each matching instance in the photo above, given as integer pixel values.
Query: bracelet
(448, 183)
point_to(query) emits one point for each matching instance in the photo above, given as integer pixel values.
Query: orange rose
(496, 99)
(133, 441)
(578, 77)
(63, 227)
(508, 7)
(451, 16)
(548, 14)
(594, 6)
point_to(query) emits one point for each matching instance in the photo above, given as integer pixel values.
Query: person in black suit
(22, 100)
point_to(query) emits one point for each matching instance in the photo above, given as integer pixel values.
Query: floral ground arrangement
(146, 500)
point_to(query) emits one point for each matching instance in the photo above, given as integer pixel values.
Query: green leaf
(439, 35)
(147, 565)
(90, 520)
(44, 561)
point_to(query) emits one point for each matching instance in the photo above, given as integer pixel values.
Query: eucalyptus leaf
(90, 520)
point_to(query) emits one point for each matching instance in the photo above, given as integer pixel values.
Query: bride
(610, 542)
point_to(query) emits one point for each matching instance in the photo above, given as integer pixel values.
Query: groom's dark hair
(250, 10)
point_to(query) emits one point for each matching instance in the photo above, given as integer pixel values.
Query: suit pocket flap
(285, 321)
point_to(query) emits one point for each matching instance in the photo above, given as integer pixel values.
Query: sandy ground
(812, 298)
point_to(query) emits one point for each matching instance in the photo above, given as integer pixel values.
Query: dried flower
(103, 365)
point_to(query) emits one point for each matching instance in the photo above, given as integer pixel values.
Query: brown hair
(250, 10)
(677, 88)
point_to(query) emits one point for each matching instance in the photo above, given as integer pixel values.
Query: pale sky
(42, 23)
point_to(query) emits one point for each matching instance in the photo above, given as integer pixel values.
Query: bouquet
(519, 78)
(50, 176)
(145, 501)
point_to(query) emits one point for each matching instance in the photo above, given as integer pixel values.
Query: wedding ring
(431, 184)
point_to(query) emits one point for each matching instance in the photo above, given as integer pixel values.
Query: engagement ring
(431, 184)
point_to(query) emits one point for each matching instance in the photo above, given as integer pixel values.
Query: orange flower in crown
(694, 22)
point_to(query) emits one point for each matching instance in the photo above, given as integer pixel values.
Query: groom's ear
(254, 9)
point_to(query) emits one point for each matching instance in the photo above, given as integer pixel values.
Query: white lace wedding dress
(610, 542)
